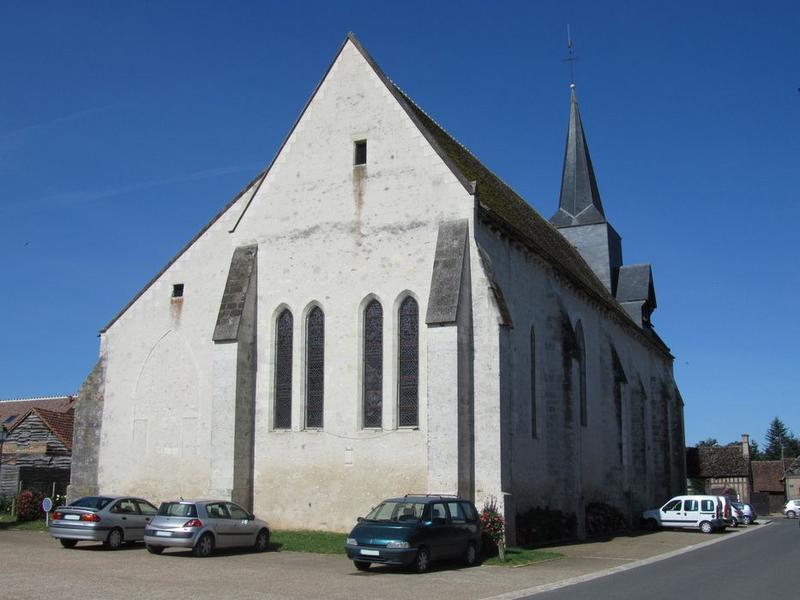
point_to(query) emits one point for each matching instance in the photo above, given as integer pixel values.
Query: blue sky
(124, 127)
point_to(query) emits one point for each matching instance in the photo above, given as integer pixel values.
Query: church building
(377, 313)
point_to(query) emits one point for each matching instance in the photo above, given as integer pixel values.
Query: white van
(688, 512)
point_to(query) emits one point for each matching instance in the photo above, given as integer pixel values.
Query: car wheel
(791, 514)
(262, 541)
(204, 546)
(706, 527)
(746, 520)
(734, 522)
(68, 543)
(423, 561)
(155, 549)
(114, 540)
(471, 555)
(361, 565)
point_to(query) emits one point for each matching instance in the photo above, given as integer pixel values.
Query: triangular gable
(59, 424)
(497, 200)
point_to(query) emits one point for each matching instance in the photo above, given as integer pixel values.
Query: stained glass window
(408, 368)
(283, 370)
(315, 367)
(373, 364)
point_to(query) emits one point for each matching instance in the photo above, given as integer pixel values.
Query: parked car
(112, 520)
(748, 512)
(688, 512)
(204, 525)
(415, 531)
(737, 515)
(792, 509)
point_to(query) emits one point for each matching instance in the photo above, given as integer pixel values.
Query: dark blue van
(415, 530)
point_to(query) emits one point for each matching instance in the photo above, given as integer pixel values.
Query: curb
(548, 587)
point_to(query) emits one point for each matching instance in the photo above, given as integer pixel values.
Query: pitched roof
(636, 283)
(497, 201)
(716, 461)
(60, 424)
(579, 203)
(15, 409)
(768, 475)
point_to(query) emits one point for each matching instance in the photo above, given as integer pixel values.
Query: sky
(126, 126)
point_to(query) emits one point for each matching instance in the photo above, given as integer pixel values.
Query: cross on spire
(571, 58)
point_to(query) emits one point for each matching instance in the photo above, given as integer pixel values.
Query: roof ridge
(435, 122)
(38, 398)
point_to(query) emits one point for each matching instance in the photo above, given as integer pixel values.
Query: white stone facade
(334, 235)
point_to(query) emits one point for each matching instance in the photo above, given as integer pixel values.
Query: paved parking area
(33, 565)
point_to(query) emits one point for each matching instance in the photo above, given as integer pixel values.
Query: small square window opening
(177, 290)
(360, 152)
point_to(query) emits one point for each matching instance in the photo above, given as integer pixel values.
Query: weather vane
(571, 58)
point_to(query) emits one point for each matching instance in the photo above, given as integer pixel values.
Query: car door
(438, 532)
(672, 513)
(131, 521)
(691, 512)
(220, 523)
(459, 531)
(147, 512)
(244, 527)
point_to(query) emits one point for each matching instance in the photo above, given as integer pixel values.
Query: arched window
(315, 367)
(283, 370)
(581, 356)
(373, 364)
(534, 432)
(408, 367)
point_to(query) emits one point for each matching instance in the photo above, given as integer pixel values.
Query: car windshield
(96, 502)
(177, 509)
(397, 511)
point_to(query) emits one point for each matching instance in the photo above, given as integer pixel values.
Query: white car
(792, 509)
(687, 512)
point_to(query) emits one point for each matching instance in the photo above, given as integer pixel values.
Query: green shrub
(29, 505)
(5, 504)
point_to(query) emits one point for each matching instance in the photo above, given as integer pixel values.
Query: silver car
(204, 525)
(112, 520)
(748, 512)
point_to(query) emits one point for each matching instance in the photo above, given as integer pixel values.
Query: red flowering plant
(493, 526)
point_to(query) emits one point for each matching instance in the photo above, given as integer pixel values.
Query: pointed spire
(580, 199)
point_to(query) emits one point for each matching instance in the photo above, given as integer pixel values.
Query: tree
(708, 443)
(780, 443)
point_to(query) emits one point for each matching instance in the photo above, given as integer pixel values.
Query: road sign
(47, 505)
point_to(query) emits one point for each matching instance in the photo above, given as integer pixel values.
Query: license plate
(163, 533)
(72, 517)
(366, 552)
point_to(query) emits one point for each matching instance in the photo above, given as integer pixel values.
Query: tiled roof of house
(716, 461)
(768, 475)
(60, 423)
(11, 411)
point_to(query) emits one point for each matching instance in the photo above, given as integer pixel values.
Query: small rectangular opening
(360, 152)
(177, 290)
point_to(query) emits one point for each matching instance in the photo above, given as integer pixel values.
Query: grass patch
(318, 542)
(10, 522)
(516, 557)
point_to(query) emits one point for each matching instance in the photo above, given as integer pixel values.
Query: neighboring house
(37, 452)
(721, 470)
(791, 478)
(377, 313)
(769, 484)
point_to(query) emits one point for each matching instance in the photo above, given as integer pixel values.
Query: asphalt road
(764, 563)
